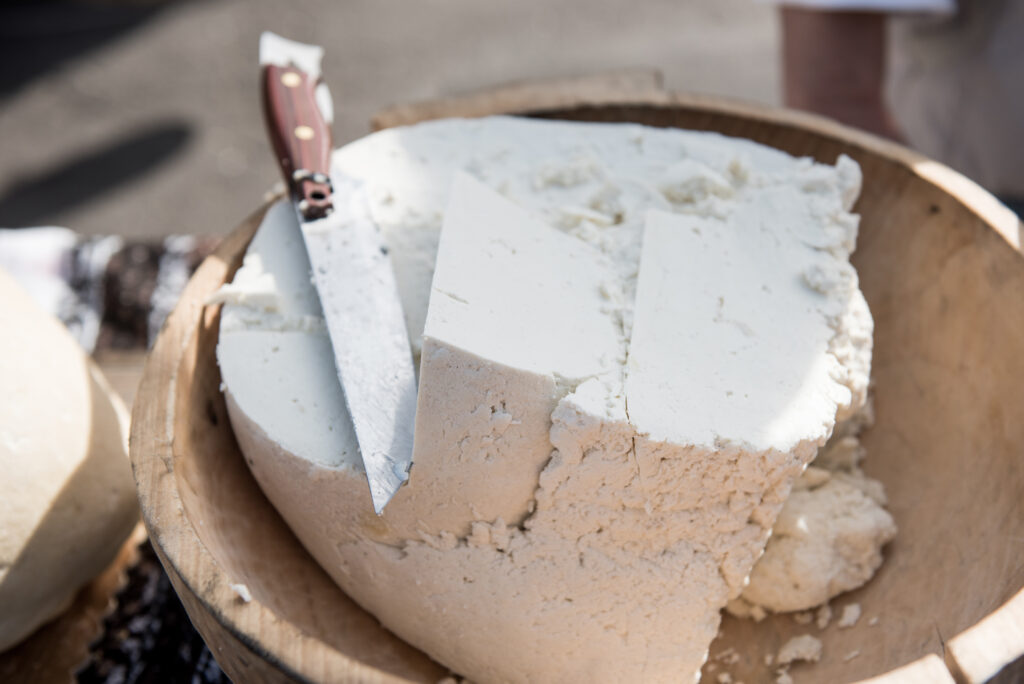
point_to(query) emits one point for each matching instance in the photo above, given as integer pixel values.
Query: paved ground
(143, 120)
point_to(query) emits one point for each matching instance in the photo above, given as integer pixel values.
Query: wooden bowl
(940, 264)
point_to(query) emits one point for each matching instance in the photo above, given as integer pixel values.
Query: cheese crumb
(812, 478)
(851, 613)
(823, 616)
(243, 592)
(828, 539)
(783, 678)
(804, 647)
(743, 609)
(873, 621)
(724, 678)
(850, 656)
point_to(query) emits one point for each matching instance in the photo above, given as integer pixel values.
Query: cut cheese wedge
(614, 402)
(516, 318)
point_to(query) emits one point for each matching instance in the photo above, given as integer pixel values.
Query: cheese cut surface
(634, 342)
(509, 286)
(516, 318)
(714, 357)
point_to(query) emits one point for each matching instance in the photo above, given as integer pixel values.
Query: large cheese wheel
(67, 500)
(631, 343)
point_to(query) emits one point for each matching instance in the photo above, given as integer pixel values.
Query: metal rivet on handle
(291, 79)
(304, 133)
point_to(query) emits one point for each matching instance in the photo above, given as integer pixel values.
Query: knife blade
(351, 268)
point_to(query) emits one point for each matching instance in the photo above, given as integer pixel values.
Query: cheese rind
(615, 532)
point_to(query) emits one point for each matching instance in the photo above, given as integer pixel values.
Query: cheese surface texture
(633, 343)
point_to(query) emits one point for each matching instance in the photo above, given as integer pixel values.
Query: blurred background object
(142, 118)
(943, 76)
(139, 117)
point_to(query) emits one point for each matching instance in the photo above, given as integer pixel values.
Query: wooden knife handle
(300, 136)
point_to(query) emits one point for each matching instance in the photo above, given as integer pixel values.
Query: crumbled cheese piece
(690, 182)
(243, 592)
(783, 677)
(850, 616)
(829, 537)
(825, 541)
(724, 678)
(740, 608)
(873, 621)
(820, 507)
(841, 453)
(850, 656)
(812, 478)
(823, 616)
(261, 292)
(804, 647)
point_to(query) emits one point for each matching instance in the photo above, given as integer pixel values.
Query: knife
(351, 268)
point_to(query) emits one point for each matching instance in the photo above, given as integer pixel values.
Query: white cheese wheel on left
(67, 500)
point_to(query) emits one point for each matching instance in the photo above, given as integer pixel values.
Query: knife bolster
(300, 136)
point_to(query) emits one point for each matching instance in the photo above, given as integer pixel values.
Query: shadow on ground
(36, 37)
(39, 198)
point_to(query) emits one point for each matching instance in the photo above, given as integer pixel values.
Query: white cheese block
(728, 346)
(516, 318)
(67, 499)
(571, 514)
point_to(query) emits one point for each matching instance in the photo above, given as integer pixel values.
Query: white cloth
(63, 272)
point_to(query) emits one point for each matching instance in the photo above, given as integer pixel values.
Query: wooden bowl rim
(967, 655)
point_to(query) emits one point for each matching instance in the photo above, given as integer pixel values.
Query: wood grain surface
(940, 266)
